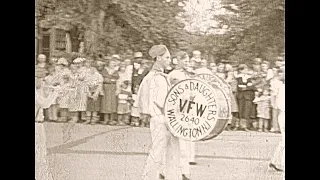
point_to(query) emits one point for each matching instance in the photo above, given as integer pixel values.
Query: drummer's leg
(192, 156)
(184, 157)
(155, 161)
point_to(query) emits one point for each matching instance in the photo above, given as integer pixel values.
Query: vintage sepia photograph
(160, 89)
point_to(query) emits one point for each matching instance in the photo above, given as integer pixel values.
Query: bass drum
(224, 93)
(198, 109)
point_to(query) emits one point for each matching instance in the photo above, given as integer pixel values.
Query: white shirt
(203, 70)
(159, 87)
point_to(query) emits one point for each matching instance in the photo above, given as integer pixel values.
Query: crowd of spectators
(104, 90)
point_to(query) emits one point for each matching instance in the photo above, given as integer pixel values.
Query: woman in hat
(78, 100)
(109, 100)
(245, 96)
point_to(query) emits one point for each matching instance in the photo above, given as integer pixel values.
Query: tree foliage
(112, 26)
(227, 29)
(257, 30)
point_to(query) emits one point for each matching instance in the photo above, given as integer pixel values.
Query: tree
(112, 26)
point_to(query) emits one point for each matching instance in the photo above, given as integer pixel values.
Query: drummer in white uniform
(181, 72)
(163, 142)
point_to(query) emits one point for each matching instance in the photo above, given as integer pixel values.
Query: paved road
(99, 152)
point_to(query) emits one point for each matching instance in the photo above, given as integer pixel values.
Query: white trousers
(278, 158)
(187, 151)
(164, 155)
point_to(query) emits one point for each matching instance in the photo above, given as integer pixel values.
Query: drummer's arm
(160, 92)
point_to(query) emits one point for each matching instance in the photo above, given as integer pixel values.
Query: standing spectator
(213, 68)
(116, 58)
(202, 67)
(62, 67)
(73, 111)
(123, 76)
(135, 115)
(263, 109)
(41, 68)
(99, 65)
(234, 125)
(256, 65)
(51, 90)
(41, 73)
(78, 100)
(94, 96)
(275, 84)
(129, 71)
(278, 160)
(63, 100)
(83, 87)
(196, 54)
(266, 71)
(124, 98)
(221, 71)
(142, 72)
(136, 66)
(279, 62)
(245, 96)
(40, 100)
(109, 100)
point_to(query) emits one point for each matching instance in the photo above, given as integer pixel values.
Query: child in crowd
(94, 96)
(63, 99)
(135, 115)
(263, 109)
(124, 97)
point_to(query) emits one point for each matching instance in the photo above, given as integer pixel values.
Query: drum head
(224, 93)
(194, 110)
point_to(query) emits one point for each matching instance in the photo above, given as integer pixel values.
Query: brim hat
(78, 60)
(196, 53)
(63, 61)
(138, 55)
(157, 50)
(115, 56)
